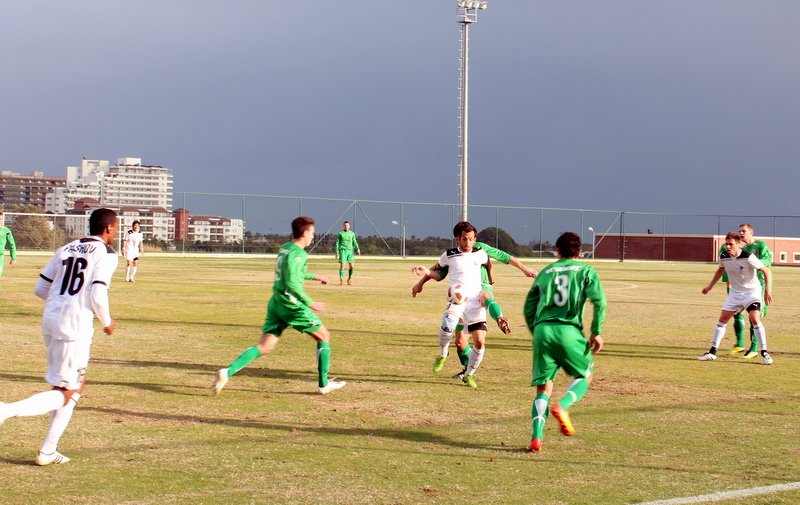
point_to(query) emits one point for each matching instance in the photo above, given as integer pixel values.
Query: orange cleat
(562, 416)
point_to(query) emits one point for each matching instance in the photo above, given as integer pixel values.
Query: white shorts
(470, 312)
(131, 254)
(66, 362)
(738, 301)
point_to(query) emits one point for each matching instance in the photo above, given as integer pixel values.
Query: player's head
(733, 242)
(303, 229)
(568, 245)
(746, 232)
(136, 224)
(466, 235)
(103, 223)
(346, 225)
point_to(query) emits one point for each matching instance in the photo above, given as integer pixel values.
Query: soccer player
(74, 285)
(745, 294)
(487, 297)
(132, 249)
(762, 252)
(290, 306)
(464, 266)
(554, 315)
(7, 238)
(346, 245)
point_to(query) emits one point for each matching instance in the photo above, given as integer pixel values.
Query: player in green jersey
(487, 296)
(554, 315)
(762, 252)
(346, 246)
(290, 306)
(7, 238)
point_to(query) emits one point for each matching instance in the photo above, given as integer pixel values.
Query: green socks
(243, 360)
(539, 413)
(494, 308)
(341, 274)
(738, 329)
(323, 362)
(349, 274)
(576, 390)
(463, 355)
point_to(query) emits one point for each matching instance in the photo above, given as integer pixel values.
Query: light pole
(593, 235)
(403, 239)
(466, 14)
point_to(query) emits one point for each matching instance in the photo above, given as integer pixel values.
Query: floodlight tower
(466, 14)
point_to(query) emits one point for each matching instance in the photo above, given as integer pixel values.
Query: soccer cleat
(562, 416)
(56, 458)
(219, 381)
(460, 375)
(333, 385)
(708, 357)
(737, 350)
(766, 358)
(748, 354)
(502, 322)
(349, 282)
(438, 364)
(536, 445)
(341, 282)
(469, 380)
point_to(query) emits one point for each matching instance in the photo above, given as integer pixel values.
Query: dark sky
(662, 106)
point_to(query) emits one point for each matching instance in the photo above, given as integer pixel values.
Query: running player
(132, 249)
(290, 306)
(74, 285)
(6, 238)
(554, 315)
(346, 245)
(745, 294)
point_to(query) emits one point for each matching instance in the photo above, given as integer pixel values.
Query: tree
(499, 238)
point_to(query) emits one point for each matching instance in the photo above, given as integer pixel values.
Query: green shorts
(281, 316)
(559, 346)
(346, 256)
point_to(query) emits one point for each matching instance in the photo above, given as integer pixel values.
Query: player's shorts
(470, 312)
(738, 301)
(346, 256)
(559, 346)
(66, 362)
(281, 316)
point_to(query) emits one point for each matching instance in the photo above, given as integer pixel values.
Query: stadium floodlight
(466, 14)
(403, 240)
(593, 241)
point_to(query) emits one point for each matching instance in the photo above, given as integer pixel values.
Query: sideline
(727, 495)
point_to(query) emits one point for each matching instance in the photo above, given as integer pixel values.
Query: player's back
(560, 292)
(72, 271)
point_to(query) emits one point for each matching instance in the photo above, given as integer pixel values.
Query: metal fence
(403, 228)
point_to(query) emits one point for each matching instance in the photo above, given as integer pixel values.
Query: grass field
(657, 423)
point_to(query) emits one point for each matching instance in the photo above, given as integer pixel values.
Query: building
(635, 246)
(126, 184)
(26, 190)
(220, 229)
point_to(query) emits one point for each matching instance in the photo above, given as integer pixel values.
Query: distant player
(7, 238)
(290, 306)
(554, 315)
(346, 246)
(464, 267)
(74, 285)
(132, 249)
(487, 296)
(762, 252)
(745, 293)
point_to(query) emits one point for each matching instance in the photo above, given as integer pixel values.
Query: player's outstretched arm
(529, 272)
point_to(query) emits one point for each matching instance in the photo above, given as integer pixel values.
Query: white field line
(728, 495)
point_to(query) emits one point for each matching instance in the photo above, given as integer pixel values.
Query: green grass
(656, 424)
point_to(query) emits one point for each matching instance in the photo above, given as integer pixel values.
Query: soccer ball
(455, 294)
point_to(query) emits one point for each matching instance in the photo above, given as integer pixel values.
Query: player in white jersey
(132, 249)
(464, 267)
(74, 285)
(742, 268)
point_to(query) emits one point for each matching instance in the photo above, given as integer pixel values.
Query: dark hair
(463, 226)
(101, 218)
(346, 222)
(733, 235)
(568, 245)
(300, 225)
(135, 223)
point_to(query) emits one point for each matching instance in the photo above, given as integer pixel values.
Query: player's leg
(478, 332)
(539, 412)
(719, 334)
(341, 268)
(350, 273)
(463, 349)
(738, 330)
(544, 370)
(574, 354)
(450, 319)
(753, 350)
(134, 268)
(128, 266)
(323, 338)
(760, 332)
(494, 309)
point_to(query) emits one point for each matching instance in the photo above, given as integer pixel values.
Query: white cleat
(56, 458)
(708, 357)
(766, 358)
(333, 385)
(219, 381)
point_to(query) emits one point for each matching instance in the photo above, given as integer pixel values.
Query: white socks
(58, 423)
(475, 358)
(36, 405)
(761, 334)
(719, 334)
